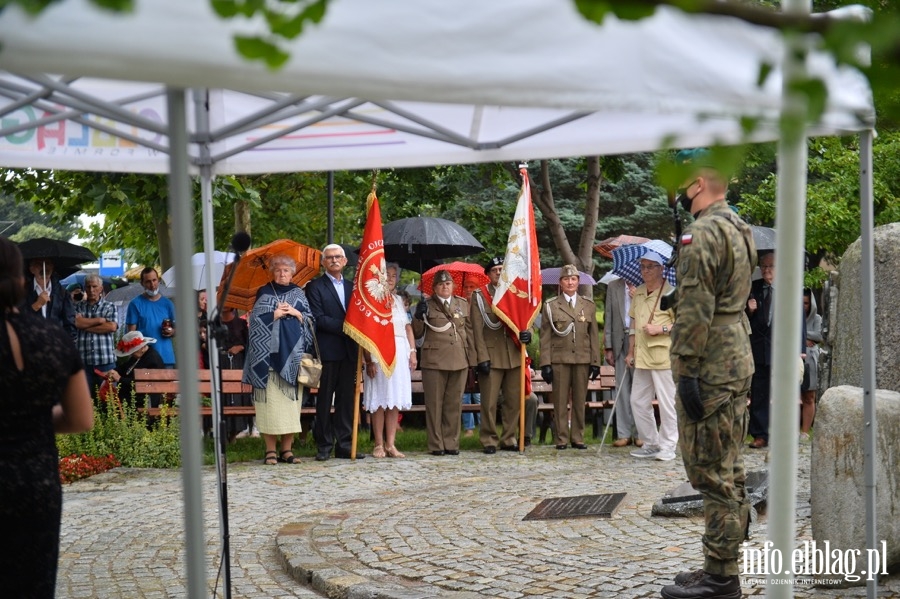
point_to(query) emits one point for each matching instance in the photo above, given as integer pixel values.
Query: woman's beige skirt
(279, 414)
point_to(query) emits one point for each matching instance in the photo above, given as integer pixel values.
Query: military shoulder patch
(686, 239)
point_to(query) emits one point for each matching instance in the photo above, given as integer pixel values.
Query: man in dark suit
(328, 298)
(760, 308)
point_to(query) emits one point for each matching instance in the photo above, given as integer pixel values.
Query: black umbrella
(423, 239)
(66, 257)
(764, 238)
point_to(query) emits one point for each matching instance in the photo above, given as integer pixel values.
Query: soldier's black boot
(702, 585)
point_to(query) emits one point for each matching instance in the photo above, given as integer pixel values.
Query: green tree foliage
(21, 221)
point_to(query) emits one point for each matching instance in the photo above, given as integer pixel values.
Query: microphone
(240, 243)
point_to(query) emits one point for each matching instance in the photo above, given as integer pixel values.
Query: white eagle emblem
(376, 284)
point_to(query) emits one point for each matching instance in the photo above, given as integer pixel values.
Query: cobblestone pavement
(422, 526)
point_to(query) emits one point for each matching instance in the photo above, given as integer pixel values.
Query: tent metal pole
(330, 206)
(181, 211)
(220, 437)
(790, 222)
(867, 324)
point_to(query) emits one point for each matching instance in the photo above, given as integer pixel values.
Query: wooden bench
(165, 381)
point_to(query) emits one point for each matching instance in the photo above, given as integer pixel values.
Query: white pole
(790, 223)
(867, 323)
(181, 209)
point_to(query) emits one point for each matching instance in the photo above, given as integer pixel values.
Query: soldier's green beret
(695, 157)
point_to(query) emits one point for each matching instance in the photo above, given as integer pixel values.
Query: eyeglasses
(334, 257)
(650, 266)
(766, 266)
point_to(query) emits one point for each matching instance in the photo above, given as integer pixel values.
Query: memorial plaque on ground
(582, 506)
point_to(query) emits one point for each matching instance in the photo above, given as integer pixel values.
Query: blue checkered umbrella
(626, 261)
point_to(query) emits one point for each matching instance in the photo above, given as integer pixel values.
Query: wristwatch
(665, 329)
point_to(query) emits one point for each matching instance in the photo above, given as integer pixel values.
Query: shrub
(75, 467)
(134, 439)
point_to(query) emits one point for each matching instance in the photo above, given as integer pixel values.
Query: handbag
(310, 372)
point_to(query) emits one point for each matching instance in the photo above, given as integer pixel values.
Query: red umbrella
(461, 272)
(605, 248)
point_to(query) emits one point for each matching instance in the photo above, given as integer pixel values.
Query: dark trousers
(335, 430)
(760, 402)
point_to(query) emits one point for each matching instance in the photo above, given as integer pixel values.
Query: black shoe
(579, 446)
(490, 449)
(701, 585)
(509, 448)
(346, 456)
(527, 441)
(561, 446)
(451, 452)
(682, 577)
(438, 452)
(323, 456)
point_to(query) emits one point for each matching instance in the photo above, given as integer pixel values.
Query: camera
(668, 300)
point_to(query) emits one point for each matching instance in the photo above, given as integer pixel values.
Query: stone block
(845, 335)
(837, 477)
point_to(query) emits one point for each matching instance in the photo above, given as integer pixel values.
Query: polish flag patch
(686, 239)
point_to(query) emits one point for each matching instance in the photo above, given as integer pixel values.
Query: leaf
(256, 48)
(225, 8)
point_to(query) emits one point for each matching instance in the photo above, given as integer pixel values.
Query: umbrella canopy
(605, 248)
(550, 276)
(253, 270)
(460, 272)
(66, 257)
(123, 295)
(109, 283)
(199, 268)
(423, 238)
(763, 238)
(626, 261)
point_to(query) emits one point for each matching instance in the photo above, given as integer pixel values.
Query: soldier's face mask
(683, 197)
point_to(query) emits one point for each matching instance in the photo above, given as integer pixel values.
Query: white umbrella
(199, 266)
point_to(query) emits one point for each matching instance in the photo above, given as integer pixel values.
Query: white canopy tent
(386, 84)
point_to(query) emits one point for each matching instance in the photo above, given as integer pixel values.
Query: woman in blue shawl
(279, 334)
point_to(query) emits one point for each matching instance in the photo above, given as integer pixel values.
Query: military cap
(441, 276)
(568, 271)
(495, 261)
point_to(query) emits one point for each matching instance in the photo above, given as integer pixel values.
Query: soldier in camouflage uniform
(712, 365)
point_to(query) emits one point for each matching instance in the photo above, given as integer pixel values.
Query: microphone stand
(217, 334)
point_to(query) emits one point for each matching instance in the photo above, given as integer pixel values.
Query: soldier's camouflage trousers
(712, 453)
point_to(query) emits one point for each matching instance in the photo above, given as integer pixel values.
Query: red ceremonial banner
(369, 321)
(518, 296)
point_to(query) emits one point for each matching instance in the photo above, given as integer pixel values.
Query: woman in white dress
(386, 396)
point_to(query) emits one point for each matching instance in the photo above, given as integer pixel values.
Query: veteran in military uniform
(712, 365)
(570, 355)
(499, 366)
(447, 354)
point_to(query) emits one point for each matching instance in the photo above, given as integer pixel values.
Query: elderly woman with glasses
(280, 333)
(648, 355)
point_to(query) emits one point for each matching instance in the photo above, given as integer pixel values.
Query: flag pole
(354, 434)
(523, 370)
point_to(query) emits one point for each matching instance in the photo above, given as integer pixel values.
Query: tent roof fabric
(391, 84)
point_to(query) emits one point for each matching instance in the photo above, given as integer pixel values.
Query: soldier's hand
(595, 372)
(525, 337)
(547, 374)
(689, 391)
(421, 309)
(483, 367)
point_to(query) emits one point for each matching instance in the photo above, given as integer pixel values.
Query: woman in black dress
(43, 390)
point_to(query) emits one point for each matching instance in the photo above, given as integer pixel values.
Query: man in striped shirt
(96, 321)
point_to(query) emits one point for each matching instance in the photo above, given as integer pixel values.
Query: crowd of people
(705, 363)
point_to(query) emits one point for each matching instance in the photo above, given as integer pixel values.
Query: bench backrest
(164, 380)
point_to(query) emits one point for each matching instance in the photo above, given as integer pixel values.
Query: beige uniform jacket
(492, 344)
(581, 345)
(446, 348)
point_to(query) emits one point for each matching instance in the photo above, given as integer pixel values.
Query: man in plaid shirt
(96, 321)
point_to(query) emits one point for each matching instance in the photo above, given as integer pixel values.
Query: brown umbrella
(605, 248)
(253, 270)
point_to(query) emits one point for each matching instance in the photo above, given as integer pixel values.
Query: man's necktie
(767, 303)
